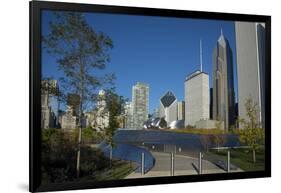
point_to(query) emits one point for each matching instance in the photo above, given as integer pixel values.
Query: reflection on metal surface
(179, 124)
(155, 123)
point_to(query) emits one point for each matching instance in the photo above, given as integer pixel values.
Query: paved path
(183, 166)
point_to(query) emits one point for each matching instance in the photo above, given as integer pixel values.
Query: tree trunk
(110, 156)
(80, 118)
(79, 152)
(254, 156)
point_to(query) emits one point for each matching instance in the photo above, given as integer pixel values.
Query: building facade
(197, 98)
(140, 104)
(223, 83)
(70, 119)
(49, 104)
(209, 124)
(102, 114)
(181, 110)
(128, 115)
(168, 107)
(250, 51)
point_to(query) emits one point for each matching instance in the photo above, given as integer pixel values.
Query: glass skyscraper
(223, 83)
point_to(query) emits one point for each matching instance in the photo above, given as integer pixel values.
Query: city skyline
(176, 47)
(182, 92)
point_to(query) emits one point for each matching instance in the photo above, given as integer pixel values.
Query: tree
(115, 108)
(205, 140)
(79, 51)
(59, 155)
(251, 133)
(218, 138)
(88, 134)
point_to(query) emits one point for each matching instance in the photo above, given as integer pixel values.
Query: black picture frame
(35, 103)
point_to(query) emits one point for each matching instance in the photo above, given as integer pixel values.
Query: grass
(119, 170)
(242, 158)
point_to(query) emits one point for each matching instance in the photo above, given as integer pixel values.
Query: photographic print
(125, 96)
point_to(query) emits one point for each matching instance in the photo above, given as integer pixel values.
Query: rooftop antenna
(201, 65)
(221, 32)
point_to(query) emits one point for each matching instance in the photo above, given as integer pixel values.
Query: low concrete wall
(207, 124)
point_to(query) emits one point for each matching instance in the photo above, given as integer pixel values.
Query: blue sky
(159, 51)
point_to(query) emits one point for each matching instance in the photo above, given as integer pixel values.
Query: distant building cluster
(70, 119)
(203, 106)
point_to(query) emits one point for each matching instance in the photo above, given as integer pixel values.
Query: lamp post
(228, 161)
(142, 163)
(200, 163)
(172, 163)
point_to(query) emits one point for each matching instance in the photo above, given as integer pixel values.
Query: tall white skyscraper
(196, 93)
(197, 97)
(140, 104)
(168, 107)
(250, 50)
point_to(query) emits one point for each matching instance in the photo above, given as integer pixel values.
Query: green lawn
(241, 158)
(119, 170)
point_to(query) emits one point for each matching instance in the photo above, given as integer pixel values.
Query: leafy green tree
(51, 139)
(115, 108)
(251, 132)
(79, 51)
(58, 158)
(88, 134)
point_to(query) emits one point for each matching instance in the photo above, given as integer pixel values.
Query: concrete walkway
(183, 166)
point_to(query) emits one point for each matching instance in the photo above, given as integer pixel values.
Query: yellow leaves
(251, 133)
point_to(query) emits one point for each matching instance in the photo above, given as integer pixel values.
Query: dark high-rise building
(223, 83)
(211, 103)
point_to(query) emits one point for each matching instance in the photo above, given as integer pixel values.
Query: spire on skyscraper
(221, 39)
